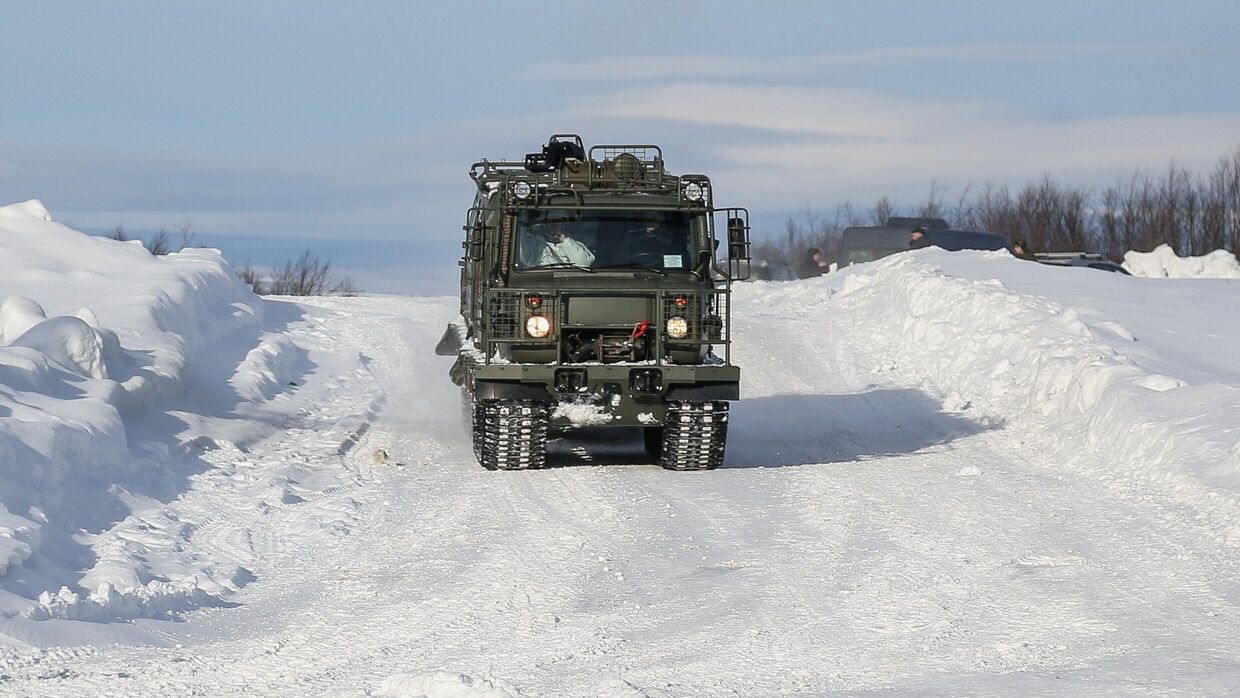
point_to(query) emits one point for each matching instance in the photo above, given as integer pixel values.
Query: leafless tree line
(307, 275)
(161, 243)
(1194, 213)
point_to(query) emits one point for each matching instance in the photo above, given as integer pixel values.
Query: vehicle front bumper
(629, 394)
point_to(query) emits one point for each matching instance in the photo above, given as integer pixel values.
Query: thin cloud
(831, 112)
(788, 145)
(413, 186)
(785, 68)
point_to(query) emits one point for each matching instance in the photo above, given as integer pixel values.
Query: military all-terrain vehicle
(593, 293)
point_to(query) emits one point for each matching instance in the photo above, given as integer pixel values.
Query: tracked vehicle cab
(595, 291)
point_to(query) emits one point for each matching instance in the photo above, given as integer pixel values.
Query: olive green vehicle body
(619, 309)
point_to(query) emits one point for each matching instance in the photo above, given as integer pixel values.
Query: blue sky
(289, 123)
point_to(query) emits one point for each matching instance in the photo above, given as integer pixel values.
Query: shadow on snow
(790, 430)
(165, 458)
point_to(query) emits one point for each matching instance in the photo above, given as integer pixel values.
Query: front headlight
(538, 326)
(677, 327)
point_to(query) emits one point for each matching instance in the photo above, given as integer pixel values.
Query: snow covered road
(867, 534)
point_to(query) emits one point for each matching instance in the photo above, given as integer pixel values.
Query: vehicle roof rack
(1069, 255)
(565, 166)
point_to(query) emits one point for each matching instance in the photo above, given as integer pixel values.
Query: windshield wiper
(560, 265)
(645, 267)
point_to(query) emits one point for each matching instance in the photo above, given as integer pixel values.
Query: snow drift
(92, 333)
(1163, 262)
(1005, 356)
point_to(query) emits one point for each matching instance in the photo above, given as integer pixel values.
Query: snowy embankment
(96, 336)
(1124, 378)
(1163, 262)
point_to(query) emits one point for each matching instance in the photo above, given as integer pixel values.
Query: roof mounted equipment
(560, 147)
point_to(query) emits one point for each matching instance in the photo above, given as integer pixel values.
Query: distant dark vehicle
(865, 244)
(1081, 259)
(910, 222)
(967, 240)
(770, 270)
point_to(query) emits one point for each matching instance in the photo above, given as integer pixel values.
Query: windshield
(856, 256)
(548, 238)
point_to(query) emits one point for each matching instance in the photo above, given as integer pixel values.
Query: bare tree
(307, 276)
(932, 207)
(883, 209)
(188, 236)
(344, 287)
(159, 244)
(118, 233)
(253, 277)
(1109, 217)
(964, 214)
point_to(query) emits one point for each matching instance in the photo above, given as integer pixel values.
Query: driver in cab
(656, 240)
(563, 250)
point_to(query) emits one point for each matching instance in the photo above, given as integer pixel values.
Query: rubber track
(510, 434)
(695, 435)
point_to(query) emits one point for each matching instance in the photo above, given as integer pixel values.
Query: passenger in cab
(562, 249)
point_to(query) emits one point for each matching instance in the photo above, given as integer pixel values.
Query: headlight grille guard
(707, 312)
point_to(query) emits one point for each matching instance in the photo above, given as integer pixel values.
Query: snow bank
(268, 368)
(1164, 263)
(92, 332)
(1029, 363)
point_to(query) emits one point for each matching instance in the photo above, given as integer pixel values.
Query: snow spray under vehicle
(593, 293)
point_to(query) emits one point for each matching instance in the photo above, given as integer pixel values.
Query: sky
(349, 128)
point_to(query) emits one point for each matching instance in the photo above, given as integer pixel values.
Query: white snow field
(949, 473)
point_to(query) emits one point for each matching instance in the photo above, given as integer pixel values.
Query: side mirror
(738, 239)
(702, 269)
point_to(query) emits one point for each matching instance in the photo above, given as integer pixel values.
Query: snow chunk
(582, 414)
(1164, 263)
(443, 684)
(1160, 383)
(19, 539)
(18, 314)
(157, 599)
(69, 342)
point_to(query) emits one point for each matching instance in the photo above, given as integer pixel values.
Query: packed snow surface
(1163, 262)
(950, 473)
